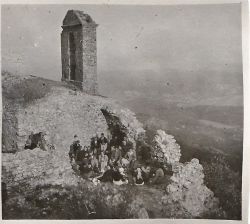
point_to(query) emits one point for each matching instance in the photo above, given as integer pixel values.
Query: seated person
(115, 154)
(87, 171)
(124, 162)
(158, 176)
(146, 173)
(138, 180)
(84, 163)
(126, 145)
(119, 177)
(107, 175)
(131, 155)
(114, 141)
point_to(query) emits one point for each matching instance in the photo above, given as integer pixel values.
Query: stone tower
(78, 51)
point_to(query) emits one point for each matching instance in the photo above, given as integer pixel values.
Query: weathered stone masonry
(78, 51)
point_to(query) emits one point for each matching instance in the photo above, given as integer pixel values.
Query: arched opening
(72, 58)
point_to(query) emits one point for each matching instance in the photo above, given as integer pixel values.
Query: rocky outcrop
(188, 190)
(124, 119)
(165, 148)
(187, 196)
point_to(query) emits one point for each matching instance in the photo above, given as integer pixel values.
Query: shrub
(226, 185)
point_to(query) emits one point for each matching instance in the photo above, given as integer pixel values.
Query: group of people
(111, 160)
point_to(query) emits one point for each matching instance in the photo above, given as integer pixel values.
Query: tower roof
(76, 17)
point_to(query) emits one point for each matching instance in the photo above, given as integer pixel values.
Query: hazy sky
(137, 38)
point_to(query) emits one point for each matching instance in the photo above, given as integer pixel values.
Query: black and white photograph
(122, 111)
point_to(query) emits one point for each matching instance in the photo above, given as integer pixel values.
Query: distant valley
(205, 121)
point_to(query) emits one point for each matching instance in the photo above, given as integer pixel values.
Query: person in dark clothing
(103, 142)
(114, 141)
(71, 154)
(146, 171)
(87, 171)
(158, 175)
(126, 146)
(107, 176)
(144, 151)
(84, 163)
(103, 139)
(119, 177)
(75, 148)
(81, 155)
(95, 145)
(94, 142)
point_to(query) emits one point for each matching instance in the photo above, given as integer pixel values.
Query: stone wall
(89, 56)
(17, 92)
(58, 111)
(61, 115)
(37, 167)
